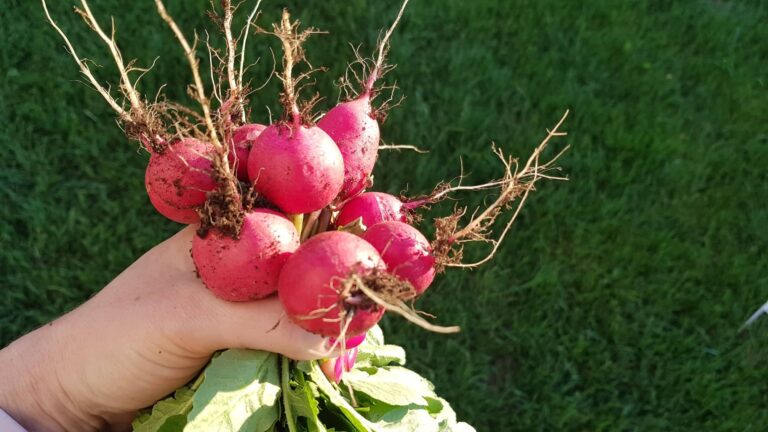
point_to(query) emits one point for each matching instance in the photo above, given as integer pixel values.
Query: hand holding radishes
(145, 334)
(284, 208)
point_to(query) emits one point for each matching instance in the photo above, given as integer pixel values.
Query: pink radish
(311, 285)
(242, 141)
(355, 130)
(372, 207)
(353, 125)
(406, 252)
(294, 165)
(246, 268)
(297, 168)
(178, 178)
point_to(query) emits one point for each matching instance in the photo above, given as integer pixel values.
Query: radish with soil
(295, 165)
(246, 268)
(314, 285)
(242, 141)
(178, 179)
(354, 127)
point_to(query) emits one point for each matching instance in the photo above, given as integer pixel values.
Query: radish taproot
(406, 252)
(313, 289)
(242, 141)
(246, 268)
(178, 178)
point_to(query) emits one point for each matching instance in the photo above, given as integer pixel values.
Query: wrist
(31, 391)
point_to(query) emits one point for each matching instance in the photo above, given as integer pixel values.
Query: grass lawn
(615, 304)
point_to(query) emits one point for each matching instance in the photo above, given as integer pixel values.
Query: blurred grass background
(615, 304)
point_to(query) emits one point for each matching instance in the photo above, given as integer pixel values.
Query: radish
(242, 141)
(296, 167)
(313, 289)
(178, 178)
(372, 207)
(246, 268)
(354, 129)
(353, 126)
(406, 252)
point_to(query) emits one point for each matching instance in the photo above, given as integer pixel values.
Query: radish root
(141, 121)
(293, 53)
(515, 186)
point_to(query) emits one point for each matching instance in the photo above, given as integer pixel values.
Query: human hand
(145, 334)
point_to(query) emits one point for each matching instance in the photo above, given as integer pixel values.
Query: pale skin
(145, 334)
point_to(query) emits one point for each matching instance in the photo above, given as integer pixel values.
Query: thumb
(263, 325)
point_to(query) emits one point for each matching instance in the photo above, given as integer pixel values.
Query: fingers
(263, 325)
(260, 324)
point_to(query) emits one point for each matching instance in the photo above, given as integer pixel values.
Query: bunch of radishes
(284, 208)
(312, 179)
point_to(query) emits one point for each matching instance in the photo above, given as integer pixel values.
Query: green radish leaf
(375, 336)
(336, 401)
(240, 392)
(373, 352)
(304, 366)
(168, 415)
(407, 419)
(436, 417)
(174, 424)
(379, 355)
(392, 385)
(303, 403)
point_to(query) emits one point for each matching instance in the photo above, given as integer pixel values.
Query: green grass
(616, 302)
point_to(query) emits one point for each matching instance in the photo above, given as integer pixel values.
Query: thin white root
(378, 67)
(245, 33)
(125, 82)
(194, 65)
(85, 70)
(403, 310)
(516, 183)
(234, 87)
(399, 147)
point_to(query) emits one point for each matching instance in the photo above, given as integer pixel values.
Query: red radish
(353, 125)
(311, 285)
(178, 178)
(297, 168)
(406, 252)
(372, 207)
(242, 141)
(355, 130)
(246, 268)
